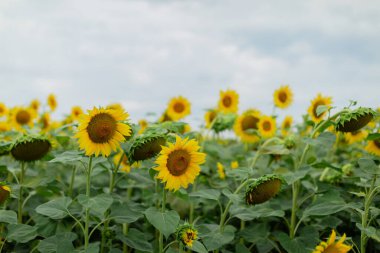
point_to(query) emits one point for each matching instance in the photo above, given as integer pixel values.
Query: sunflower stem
(161, 236)
(71, 186)
(191, 211)
(367, 203)
(87, 211)
(20, 182)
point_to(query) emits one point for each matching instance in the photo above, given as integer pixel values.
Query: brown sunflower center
(287, 124)
(101, 128)
(227, 101)
(318, 103)
(212, 116)
(179, 107)
(267, 126)
(178, 162)
(23, 117)
(2, 110)
(249, 122)
(377, 143)
(282, 96)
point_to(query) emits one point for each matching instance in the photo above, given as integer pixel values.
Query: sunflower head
(373, 147)
(5, 192)
(146, 146)
(35, 104)
(178, 108)
(178, 163)
(356, 136)
(186, 234)
(246, 126)
(283, 97)
(228, 101)
(52, 102)
(354, 120)
(210, 116)
(29, 148)
(101, 130)
(286, 125)
(76, 112)
(4, 126)
(263, 189)
(319, 100)
(116, 106)
(332, 246)
(165, 117)
(220, 169)
(45, 121)
(267, 126)
(3, 109)
(234, 164)
(22, 116)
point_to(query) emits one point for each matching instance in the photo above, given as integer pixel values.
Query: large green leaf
(370, 232)
(8, 216)
(21, 233)
(136, 239)
(98, 204)
(368, 166)
(259, 211)
(198, 247)
(125, 213)
(56, 208)
(166, 222)
(206, 194)
(215, 239)
(59, 243)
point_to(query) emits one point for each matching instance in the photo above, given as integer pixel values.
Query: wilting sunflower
(186, 234)
(76, 112)
(330, 246)
(35, 104)
(283, 97)
(5, 191)
(228, 101)
(52, 102)
(3, 109)
(30, 148)
(146, 146)
(22, 116)
(286, 125)
(234, 165)
(356, 136)
(267, 126)
(319, 100)
(210, 115)
(220, 169)
(101, 131)
(246, 125)
(178, 108)
(373, 147)
(354, 120)
(263, 189)
(178, 163)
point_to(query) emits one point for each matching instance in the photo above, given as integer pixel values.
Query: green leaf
(59, 243)
(98, 204)
(370, 232)
(125, 213)
(8, 216)
(206, 194)
(255, 212)
(373, 136)
(56, 208)
(166, 222)
(21, 233)
(69, 156)
(198, 247)
(327, 208)
(136, 239)
(241, 248)
(63, 140)
(368, 166)
(275, 150)
(292, 177)
(321, 109)
(290, 245)
(215, 239)
(235, 198)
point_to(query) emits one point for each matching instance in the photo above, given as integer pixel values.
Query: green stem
(191, 211)
(125, 232)
(21, 181)
(170, 244)
(161, 236)
(70, 193)
(367, 203)
(87, 211)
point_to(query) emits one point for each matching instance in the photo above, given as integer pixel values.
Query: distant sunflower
(228, 101)
(210, 115)
(267, 126)
(124, 165)
(330, 246)
(283, 97)
(165, 117)
(5, 192)
(286, 125)
(178, 163)
(220, 169)
(45, 121)
(22, 116)
(356, 136)
(76, 112)
(246, 125)
(4, 126)
(178, 108)
(319, 100)
(35, 105)
(143, 125)
(100, 131)
(52, 102)
(3, 109)
(115, 106)
(373, 147)
(234, 164)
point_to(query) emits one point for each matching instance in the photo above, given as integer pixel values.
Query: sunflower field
(241, 182)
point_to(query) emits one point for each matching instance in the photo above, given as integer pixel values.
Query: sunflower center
(377, 143)
(23, 117)
(179, 107)
(178, 161)
(287, 124)
(267, 126)
(212, 116)
(282, 96)
(249, 122)
(318, 103)
(101, 128)
(227, 101)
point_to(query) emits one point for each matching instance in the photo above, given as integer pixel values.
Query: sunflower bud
(146, 146)
(354, 120)
(29, 148)
(5, 191)
(290, 142)
(347, 169)
(263, 189)
(186, 234)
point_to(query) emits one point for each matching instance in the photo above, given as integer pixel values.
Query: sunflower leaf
(166, 222)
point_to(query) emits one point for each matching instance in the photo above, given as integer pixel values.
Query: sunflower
(246, 125)
(234, 164)
(100, 131)
(319, 100)
(178, 108)
(35, 104)
(283, 97)
(5, 191)
(286, 125)
(52, 102)
(165, 117)
(45, 121)
(330, 246)
(373, 147)
(29, 148)
(143, 125)
(228, 101)
(263, 189)
(3, 109)
(4, 126)
(22, 116)
(220, 168)
(186, 234)
(76, 112)
(210, 115)
(356, 136)
(115, 106)
(267, 126)
(178, 163)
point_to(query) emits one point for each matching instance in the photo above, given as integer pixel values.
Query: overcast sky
(142, 53)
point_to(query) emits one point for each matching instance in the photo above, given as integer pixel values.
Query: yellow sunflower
(319, 100)
(330, 246)
(178, 163)
(178, 108)
(234, 165)
(35, 104)
(100, 131)
(246, 124)
(143, 125)
(283, 97)
(228, 101)
(164, 117)
(267, 126)
(356, 136)
(373, 147)
(220, 169)
(52, 102)
(3, 109)
(286, 125)
(76, 112)
(22, 116)
(4, 126)
(115, 106)
(45, 121)
(210, 115)
(5, 191)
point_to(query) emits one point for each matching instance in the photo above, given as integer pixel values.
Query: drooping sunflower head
(220, 169)
(76, 112)
(52, 102)
(319, 100)
(5, 192)
(263, 189)
(146, 146)
(267, 126)
(186, 234)
(352, 121)
(178, 163)
(35, 104)
(228, 101)
(330, 246)
(356, 136)
(3, 109)
(178, 108)
(22, 117)
(29, 148)
(283, 97)
(101, 130)
(246, 126)
(286, 125)
(210, 115)
(373, 147)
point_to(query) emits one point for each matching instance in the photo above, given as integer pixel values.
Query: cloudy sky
(142, 52)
